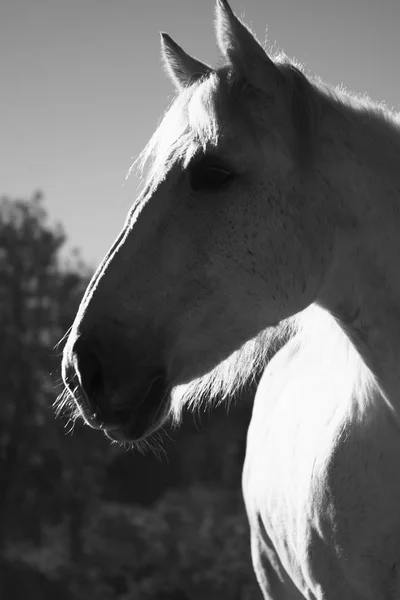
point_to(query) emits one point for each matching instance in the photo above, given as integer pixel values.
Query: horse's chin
(144, 420)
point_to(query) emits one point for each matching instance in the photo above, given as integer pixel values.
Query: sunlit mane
(313, 328)
(240, 368)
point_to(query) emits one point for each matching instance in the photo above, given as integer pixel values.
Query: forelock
(195, 120)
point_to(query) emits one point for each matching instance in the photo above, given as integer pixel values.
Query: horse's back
(321, 485)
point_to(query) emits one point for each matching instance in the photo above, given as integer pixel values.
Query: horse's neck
(362, 288)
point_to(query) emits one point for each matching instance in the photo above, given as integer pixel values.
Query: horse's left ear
(240, 47)
(182, 68)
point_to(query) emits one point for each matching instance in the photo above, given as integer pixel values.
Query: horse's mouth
(141, 421)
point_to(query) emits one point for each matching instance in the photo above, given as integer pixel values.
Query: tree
(38, 297)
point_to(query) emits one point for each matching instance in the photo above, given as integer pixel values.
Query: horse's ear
(239, 46)
(181, 68)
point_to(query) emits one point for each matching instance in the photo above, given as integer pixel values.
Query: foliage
(200, 532)
(80, 518)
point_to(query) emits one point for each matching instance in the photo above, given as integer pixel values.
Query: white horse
(269, 199)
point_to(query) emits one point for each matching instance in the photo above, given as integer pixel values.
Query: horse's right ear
(239, 46)
(181, 68)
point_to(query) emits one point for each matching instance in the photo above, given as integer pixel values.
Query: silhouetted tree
(37, 298)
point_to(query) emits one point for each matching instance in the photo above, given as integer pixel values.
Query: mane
(351, 103)
(313, 330)
(242, 367)
(195, 120)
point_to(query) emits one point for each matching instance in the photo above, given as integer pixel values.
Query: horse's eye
(208, 176)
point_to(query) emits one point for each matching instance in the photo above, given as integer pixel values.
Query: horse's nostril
(87, 367)
(93, 398)
(90, 376)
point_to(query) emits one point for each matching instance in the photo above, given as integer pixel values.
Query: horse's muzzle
(147, 417)
(121, 415)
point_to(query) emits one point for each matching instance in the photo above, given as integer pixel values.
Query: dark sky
(82, 88)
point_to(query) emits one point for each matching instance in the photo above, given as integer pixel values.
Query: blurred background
(82, 90)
